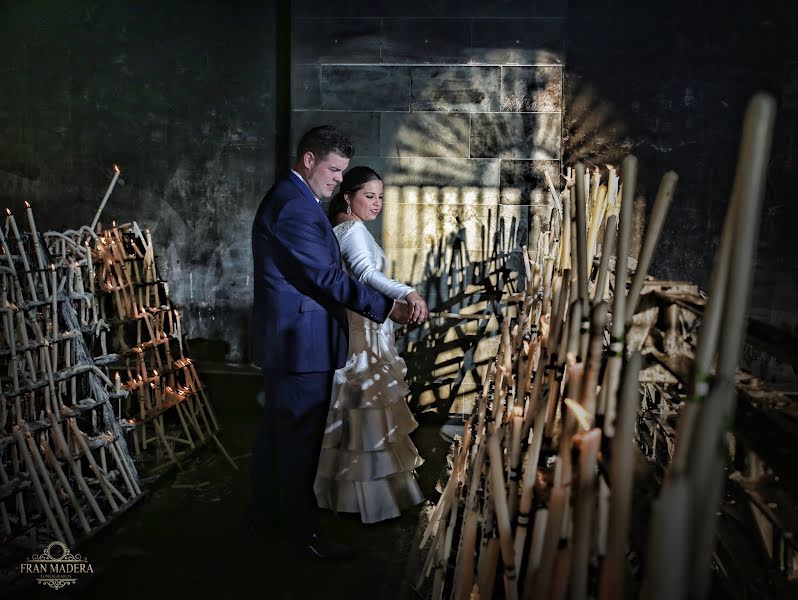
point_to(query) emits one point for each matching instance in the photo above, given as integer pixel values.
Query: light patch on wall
(469, 195)
(430, 195)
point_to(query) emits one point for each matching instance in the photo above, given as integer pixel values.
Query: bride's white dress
(367, 460)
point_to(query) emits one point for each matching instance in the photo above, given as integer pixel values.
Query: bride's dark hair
(355, 178)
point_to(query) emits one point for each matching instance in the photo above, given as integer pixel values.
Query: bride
(367, 462)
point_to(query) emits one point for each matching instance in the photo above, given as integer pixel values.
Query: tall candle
(707, 474)
(37, 249)
(621, 475)
(655, 224)
(514, 463)
(23, 255)
(502, 515)
(606, 250)
(669, 547)
(105, 198)
(581, 230)
(54, 299)
(54, 304)
(587, 444)
(612, 374)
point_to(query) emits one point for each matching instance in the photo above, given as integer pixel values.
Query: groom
(300, 332)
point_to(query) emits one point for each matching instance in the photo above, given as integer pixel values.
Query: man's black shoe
(320, 548)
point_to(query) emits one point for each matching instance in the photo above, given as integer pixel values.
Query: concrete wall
(180, 95)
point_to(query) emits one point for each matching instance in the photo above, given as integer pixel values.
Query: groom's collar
(305, 183)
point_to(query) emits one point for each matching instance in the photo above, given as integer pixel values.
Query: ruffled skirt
(367, 462)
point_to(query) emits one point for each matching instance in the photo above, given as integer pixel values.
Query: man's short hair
(325, 140)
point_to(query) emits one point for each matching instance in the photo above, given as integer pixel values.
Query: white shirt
(302, 179)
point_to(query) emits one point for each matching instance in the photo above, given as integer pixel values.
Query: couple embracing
(335, 424)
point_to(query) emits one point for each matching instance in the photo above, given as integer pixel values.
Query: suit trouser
(287, 447)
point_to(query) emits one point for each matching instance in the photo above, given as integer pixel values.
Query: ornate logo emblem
(56, 566)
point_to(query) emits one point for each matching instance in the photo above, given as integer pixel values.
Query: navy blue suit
(300, 333)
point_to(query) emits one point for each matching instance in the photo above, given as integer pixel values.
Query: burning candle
(54, 299)
(105, 198)
(24, 255)
(37, 249)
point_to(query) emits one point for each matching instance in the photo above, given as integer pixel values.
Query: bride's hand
(418, 306)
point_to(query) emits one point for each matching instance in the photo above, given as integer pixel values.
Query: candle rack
(545, 494)
(97, 391)
(166, 413)
(66, 469)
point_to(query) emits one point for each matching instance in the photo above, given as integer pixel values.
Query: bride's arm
(357, 248)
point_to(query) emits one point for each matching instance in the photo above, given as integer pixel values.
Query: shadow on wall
(593, 132)
(447, 356)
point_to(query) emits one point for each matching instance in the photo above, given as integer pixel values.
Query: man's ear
(308, 159)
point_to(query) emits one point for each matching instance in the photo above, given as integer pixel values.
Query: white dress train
(367, 462)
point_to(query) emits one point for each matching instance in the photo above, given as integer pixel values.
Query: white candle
(37, 249)
(588, 444)
(105, 198)
(621, 475)
(23, 255)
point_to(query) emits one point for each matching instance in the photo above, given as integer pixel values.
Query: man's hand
(419, 309)
(401, 312)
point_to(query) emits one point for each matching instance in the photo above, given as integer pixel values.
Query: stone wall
(458, 106)
(180, 95)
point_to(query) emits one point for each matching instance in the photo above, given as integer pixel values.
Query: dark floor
(188, 537)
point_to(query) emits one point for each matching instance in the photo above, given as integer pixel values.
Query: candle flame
(116, 168)
(8, 212)
(518, 410)
(582, 416)
(27, 204)
(155, 372)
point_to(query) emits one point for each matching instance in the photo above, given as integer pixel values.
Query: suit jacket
(301, 290)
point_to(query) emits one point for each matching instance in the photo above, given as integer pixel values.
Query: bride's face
(367, 201)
